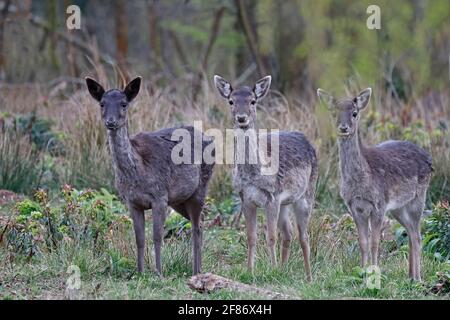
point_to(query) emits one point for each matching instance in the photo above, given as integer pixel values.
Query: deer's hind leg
(272, 214)
(194, 208)
(409, 217)
(284, 224)
(303, 209)
(159, 210)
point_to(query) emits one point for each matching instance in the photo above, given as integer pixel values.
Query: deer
(146, 177)
(392, 176)
(293, 184)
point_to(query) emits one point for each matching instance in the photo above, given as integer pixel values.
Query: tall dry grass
(86, 162)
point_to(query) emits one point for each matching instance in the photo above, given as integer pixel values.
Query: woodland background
(57, 201)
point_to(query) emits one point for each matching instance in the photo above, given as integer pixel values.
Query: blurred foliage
(21, 167)
(436, 229)
(331, 46)
(435, 233)
(78, 217)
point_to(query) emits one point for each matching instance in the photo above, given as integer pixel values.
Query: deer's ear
(95, 88)
(362, 99)
(132, 88)
(223, 86)
(262, 87)
(326, 98)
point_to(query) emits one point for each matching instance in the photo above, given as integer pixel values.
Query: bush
(85, 217)
(436, 232)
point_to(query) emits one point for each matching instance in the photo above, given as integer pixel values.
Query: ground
(103, 276)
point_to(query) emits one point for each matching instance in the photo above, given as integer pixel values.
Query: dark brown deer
(145, 175)
(391, 176)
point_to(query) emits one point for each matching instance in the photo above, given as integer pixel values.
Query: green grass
(108, 275)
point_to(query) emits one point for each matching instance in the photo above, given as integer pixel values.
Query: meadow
(64, 211)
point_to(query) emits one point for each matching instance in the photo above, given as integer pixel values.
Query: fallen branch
(208, 282)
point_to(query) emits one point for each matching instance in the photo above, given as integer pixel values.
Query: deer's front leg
(159, 216)
(376, 225)
(362, 225)
(361, 211)
(138, 217)
(249, 211)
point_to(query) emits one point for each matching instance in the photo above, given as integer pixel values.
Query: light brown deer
(392, 176)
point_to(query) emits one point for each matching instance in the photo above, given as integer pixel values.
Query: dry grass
(86, 162)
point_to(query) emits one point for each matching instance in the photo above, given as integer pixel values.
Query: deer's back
(399, 160)
(401, 171)
(163, 177)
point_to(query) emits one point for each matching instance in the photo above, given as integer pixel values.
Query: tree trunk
(122, 36)
(250, 36)
(154, 32)
(3, 16)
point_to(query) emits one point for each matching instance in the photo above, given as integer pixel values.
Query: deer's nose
(241, 118)
(343, 128)
(111, 123)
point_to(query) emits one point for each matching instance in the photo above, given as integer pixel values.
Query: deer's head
(114, 103)
(243, 100)
(346, 111)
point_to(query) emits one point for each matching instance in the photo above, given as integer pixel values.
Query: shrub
(84, 217)
(436, 232)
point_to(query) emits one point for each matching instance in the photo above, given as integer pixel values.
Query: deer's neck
(246, 157)
(124, 161)
(353, 164)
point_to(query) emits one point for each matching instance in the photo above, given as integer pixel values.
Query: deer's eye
(124, 106)
(102, 105)
(230, 102)
(355, 114)
(253, 102)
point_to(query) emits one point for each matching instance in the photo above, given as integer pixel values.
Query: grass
(110, 274)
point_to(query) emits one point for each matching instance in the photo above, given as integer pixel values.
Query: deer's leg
(376, 225)
(194, 209)
(138, 217)
(415, 247)
(416, 209)
(249, 211)
(417, 252)
(411, 222)
(284, 224)
(159, 216)
(303, 213)
(272, 213)
(362, 225)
